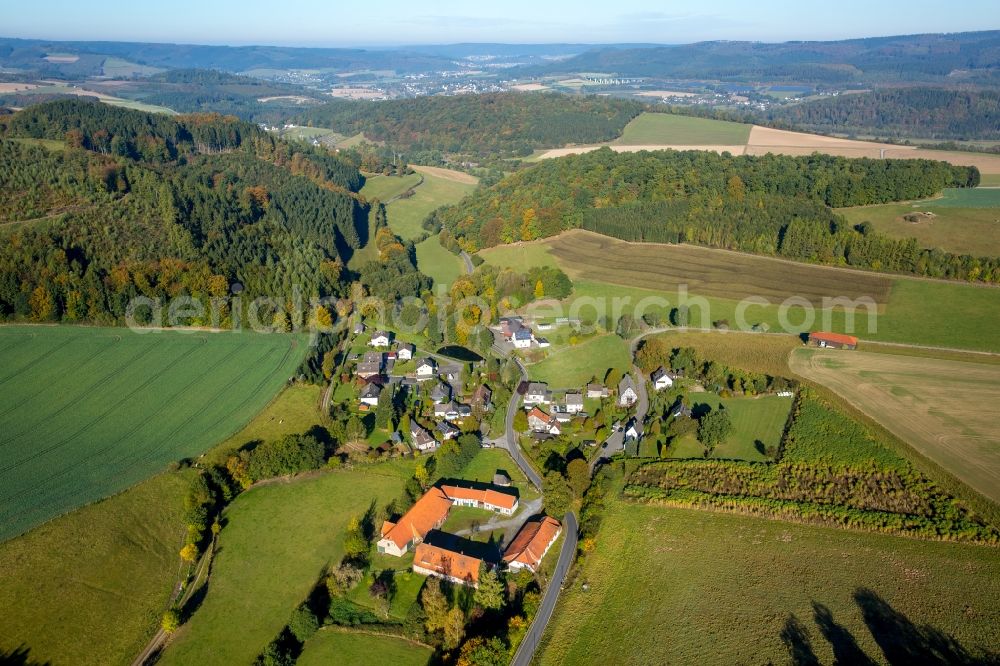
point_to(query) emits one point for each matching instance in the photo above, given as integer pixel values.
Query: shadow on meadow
(900, 640)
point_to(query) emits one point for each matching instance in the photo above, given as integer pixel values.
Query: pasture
(652, 129)
(520, 257)
(965, 230)
(978, 197)
(572, 366)
(335, 646)
(758, 423)
(944, 409)
(385, 188)
(277, 540)
(695, 587)
(90, 587)
(438, 263)
(88, 412)
(748, 351)
(439, 187)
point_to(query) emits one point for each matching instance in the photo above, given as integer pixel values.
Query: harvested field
(16, 87)
(357, 93)
(768, 137)
(665, 93)
(447, 174)
(945, 409)
(529, 87)
(708, 272)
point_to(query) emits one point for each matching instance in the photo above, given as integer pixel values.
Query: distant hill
(504, 123)
(925, 113)
(970, 56)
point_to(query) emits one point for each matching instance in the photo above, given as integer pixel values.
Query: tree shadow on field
(901, 642)
(20, 656)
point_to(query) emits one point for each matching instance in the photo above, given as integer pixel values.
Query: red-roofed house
(489, 499)
(428, 513)
(455, 567)
(833, 340)
(531, 543)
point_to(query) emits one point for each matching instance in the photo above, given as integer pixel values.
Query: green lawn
(966, 230)
(977, 197)
(664, 128)
(488, 461)
(384, 188)
(572, 366)
(277, 541)
(90, 587)
(689, 587)
(87, 412)
(333, 646)
(519, 257)
(408, 586)
(760, 419)
(406, 215)
(440, 264)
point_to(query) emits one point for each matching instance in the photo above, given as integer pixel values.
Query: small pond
(459, 353)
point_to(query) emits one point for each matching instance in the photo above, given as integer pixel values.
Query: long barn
(833, 340)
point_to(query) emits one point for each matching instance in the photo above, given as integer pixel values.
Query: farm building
(428, 513)
(455, 567)
(531, 544)
(489, 499)
(833, 340)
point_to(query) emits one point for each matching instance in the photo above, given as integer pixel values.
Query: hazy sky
(383, 22)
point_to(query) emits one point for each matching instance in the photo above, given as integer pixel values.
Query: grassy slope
(90, 587)
(662, 128)
(406, 215)
(437, 262)
(331, 646)
(719, 589)
(277, 541)
(973, 231)
(573, 366)
(71, 437)
(384, 188)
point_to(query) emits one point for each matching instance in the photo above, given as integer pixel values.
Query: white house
(426, 367)
(539, 421)
(537, 393)
(380, 339)
(522, 338)
(405, 352)
(632, 430)
(422, 440)
(369, 395)
(627, 393)
(597, 391)
(447, 430)
(440, 393)
(574, 402)
(543, 342)
(661, 379)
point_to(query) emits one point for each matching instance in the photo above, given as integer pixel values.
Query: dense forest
(771, 204)
(489, 124)
(926, 113)
(140, 204)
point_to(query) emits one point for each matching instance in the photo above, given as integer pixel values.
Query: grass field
(682, 586)
(488, 461)
(440, 187)
(115, 67)
(754, 420)
(384, 188)
(945, 409)
(332, 646)
(974, 231)
(88, 412)
(90, 587)
(277, 541)
(572, 366)
(440, 264)
(648, 129)
(748, 351)
(989, 180)
(979, 197)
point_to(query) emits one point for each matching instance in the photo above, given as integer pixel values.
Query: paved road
(510, 439)
(526, 651)
(468, 262)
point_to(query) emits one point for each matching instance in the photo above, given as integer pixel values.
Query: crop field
(439, 187)
(572, 366)
(384, 188)
(88, 412)
(89, 587)
(333, 646)
(978, 197)
(277, 541)
(707, 272)
(755, 420)
(945, 409)
(666, 129)
(440, 264)
(679, 586)
(965, 230)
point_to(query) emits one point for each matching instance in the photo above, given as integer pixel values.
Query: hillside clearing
(686, 564)
(945, 409)
(131, 404)
(438, 263)
(384, 188)
(439, 187)
(974, 231)
(668, 129)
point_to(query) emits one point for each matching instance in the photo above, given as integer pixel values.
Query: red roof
(532, 541)
(446, 562)
(487, 496)
(839, 338)
(425, 515)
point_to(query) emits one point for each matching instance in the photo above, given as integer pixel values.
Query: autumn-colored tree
(329, 359)
(322, 318)
(189, 553)
(490, 593)
(539, 290)
(435, 605)
(171, 621)
(41, 303)
(578, 475)
(454, 628)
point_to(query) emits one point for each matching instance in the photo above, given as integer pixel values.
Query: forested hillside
(770, 204)
(926, 113)
(139, 204)
(489, 124)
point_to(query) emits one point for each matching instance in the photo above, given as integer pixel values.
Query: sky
(397, 22)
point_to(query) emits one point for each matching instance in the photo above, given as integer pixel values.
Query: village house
(531, 544)
(442, 409)
(632, 429)
(489, 499)
(522, 338)
(359, 328)
(426, 368)
(370, 393)
(574, 402)
(422, 440)
(539, 421)
(441, 393)
(661, 379)
(833, 340)
(509, 326)
(370, 365)
(405, 351)
(454, 567)
(537, 393)
(597, 391)
(427, 513)
(482, 398)
(627, 394)
(447, 430)
(380, 339)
